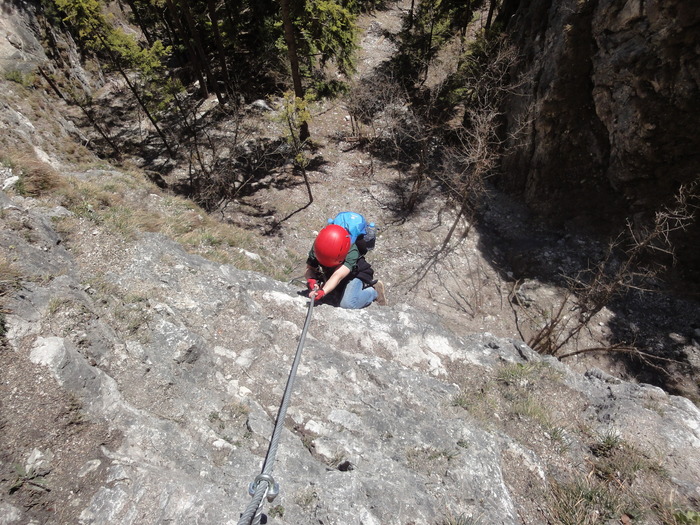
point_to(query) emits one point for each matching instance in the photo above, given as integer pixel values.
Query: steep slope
(172, 368)
(139, 382)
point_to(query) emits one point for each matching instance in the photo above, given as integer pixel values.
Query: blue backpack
(354, 223)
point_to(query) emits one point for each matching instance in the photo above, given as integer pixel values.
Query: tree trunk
(219, 43)
(141, 102)
(199, 49)
(85, 111)
(465, 23)
(146, 111)
(139, 22)
(428, 53)
(492, 10)
(294, 63)
(230, 12)
(410, 15)
(170, 30)
(192, 54)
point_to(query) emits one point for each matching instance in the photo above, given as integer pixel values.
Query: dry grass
(10, 279)
(125, 203)
(620, 483)
(120, 203)
(10, 276)
(19, 77)
(36, 178)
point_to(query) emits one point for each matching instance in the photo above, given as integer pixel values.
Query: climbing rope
(264, 484)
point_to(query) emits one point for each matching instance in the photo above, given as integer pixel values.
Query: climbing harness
(264, 484)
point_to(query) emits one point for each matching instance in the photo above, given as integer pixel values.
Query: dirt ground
(43, 436)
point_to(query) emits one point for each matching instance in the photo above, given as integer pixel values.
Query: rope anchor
(273, 487)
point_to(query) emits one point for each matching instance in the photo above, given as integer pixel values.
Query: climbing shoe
(381, 294)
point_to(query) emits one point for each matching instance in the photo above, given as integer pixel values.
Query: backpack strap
(364, 272)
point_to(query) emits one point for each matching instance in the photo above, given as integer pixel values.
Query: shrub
(20, 77)
(36, 178)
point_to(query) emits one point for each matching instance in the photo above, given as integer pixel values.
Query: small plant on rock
(462, 519)
(606, 443)
(19, 77)
(516, 373)
(36, 178)
(687, 517)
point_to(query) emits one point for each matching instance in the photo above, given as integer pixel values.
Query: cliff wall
(612, 107)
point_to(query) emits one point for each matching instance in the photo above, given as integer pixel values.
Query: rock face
(176, 366)
(140, 384)
(612, 105)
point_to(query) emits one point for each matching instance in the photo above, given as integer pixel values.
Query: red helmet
(332, 245)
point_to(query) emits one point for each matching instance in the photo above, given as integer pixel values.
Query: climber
(336, 271)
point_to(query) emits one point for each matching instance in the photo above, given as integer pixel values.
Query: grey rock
(371, 435)
(38, 463)
(261, 104)
(9, 514)
(10, 182)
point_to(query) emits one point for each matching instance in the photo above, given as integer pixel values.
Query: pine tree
(429, 26)
(291, 41)
(329, 34)
(315, 33)
(94, 31)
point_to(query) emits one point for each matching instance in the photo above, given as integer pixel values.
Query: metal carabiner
(273, 487)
